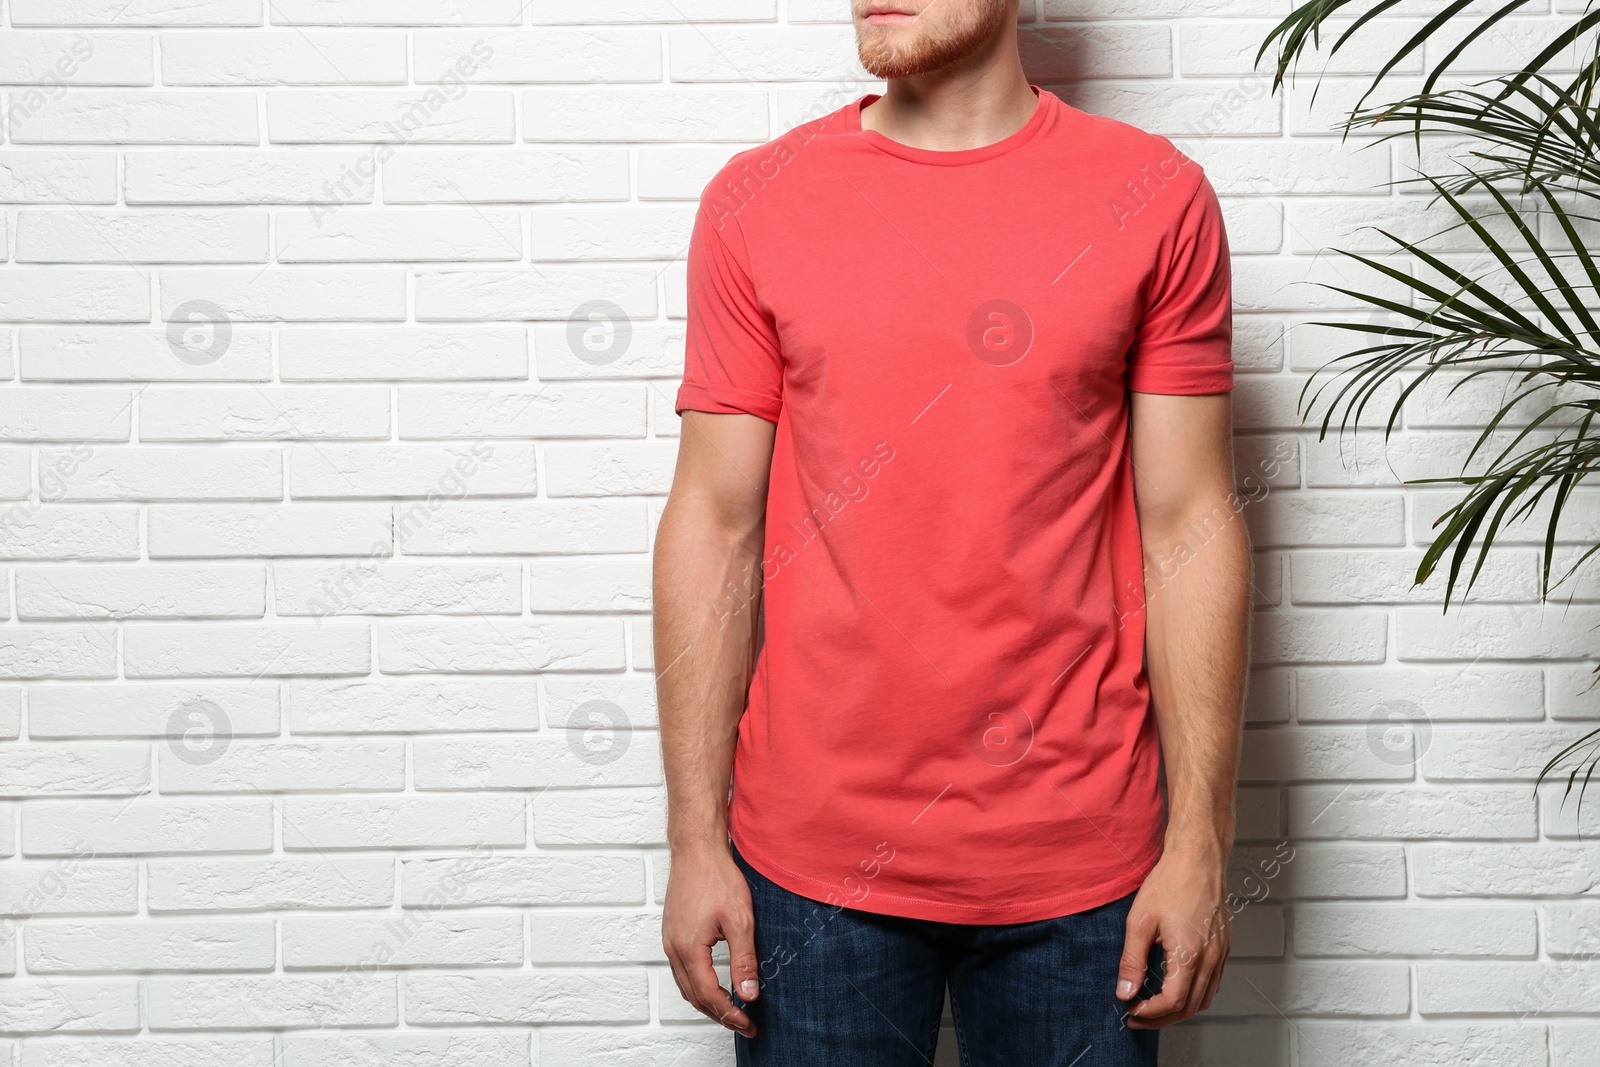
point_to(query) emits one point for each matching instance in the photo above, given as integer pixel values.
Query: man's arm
(707, 589)
(1197, 617)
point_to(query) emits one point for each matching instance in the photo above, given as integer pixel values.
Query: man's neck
(949, 111)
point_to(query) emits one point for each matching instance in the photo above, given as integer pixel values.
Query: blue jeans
(847, 988)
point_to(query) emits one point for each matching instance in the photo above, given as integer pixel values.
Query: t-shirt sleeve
(1184, 343)
(732, 360)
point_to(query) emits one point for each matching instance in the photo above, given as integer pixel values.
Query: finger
(676, 963)
(1176, 983)
(1211, 991)
(1199, 982)
(1135, 955)
(709, 996)
(1216, 983)
(740, 931)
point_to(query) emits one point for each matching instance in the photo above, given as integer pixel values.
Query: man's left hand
(1182, 907)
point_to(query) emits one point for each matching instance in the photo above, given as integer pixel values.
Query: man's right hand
(708, 901)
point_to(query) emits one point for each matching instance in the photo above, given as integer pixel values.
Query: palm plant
(1518, 196)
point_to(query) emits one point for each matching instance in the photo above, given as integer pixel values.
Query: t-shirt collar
(960, 157)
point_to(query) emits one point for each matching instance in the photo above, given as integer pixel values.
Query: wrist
(698, 846)
(1207, 845)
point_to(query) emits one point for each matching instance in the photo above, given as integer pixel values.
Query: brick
(564, 759)
(565, 699)
(119, 237)
(75, 296)
(1434, 1044)
(560, 878)
(140, 354)
(423, 705)
(481, 234)
(1369, 930)
(519, 175)
(1356, 694)
(1493, 631)
(595, 937)
(258, 768)
(436, 471)
(226, 1002)
(226, 413)
(386, 116)
(146, 945)
(283, 57)
(1375, 811)
(1494, 753)
(136, 13)
(103, 116)
(597, 817)
(432, 938)
(163, 473)
(140, 827)
(641, 1046)
(279, 882)
(551, 410)
(1311, 755)
(1209, 1043)
(448, 1049)
(299, 529)
(156, 1052)
(557, 996)
(84, 1005)
(1505, 988)
(320, 823)
(549, 293)
(535, 644)
(590, 585)
(247, 649)
(1506, 870)
(607, 469)
(411, 353)
(303, 294)
(40, 770)
(1304, 988)
(644, 115)
(1305, 520)
(1327, 578)
(342, 176)
(524, 528)
(396, 12)
(370, 588)
(147, 709)
(139, 591)
(1318, 636)
(44, 414)
(41, 176)
(557, 12)
(40, 58)
(57, 652)
(1571, 1043)
(520, 56)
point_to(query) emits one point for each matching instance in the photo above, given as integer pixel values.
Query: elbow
(1173, 537)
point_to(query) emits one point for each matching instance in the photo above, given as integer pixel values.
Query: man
(956, 430)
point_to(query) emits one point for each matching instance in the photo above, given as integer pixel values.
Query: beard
(892, 52)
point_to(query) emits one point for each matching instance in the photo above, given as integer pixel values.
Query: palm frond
(1525, 313)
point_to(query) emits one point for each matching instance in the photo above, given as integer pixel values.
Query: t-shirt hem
(1182, 381)
(723, 400)
(879, 903)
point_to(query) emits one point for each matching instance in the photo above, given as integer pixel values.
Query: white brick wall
(325, 682)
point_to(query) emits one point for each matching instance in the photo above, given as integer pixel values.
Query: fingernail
(1124, 989)
(747, 988)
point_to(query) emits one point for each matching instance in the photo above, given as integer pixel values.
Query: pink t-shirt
(949, 717)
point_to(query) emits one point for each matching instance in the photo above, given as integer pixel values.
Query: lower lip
(890, 19)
